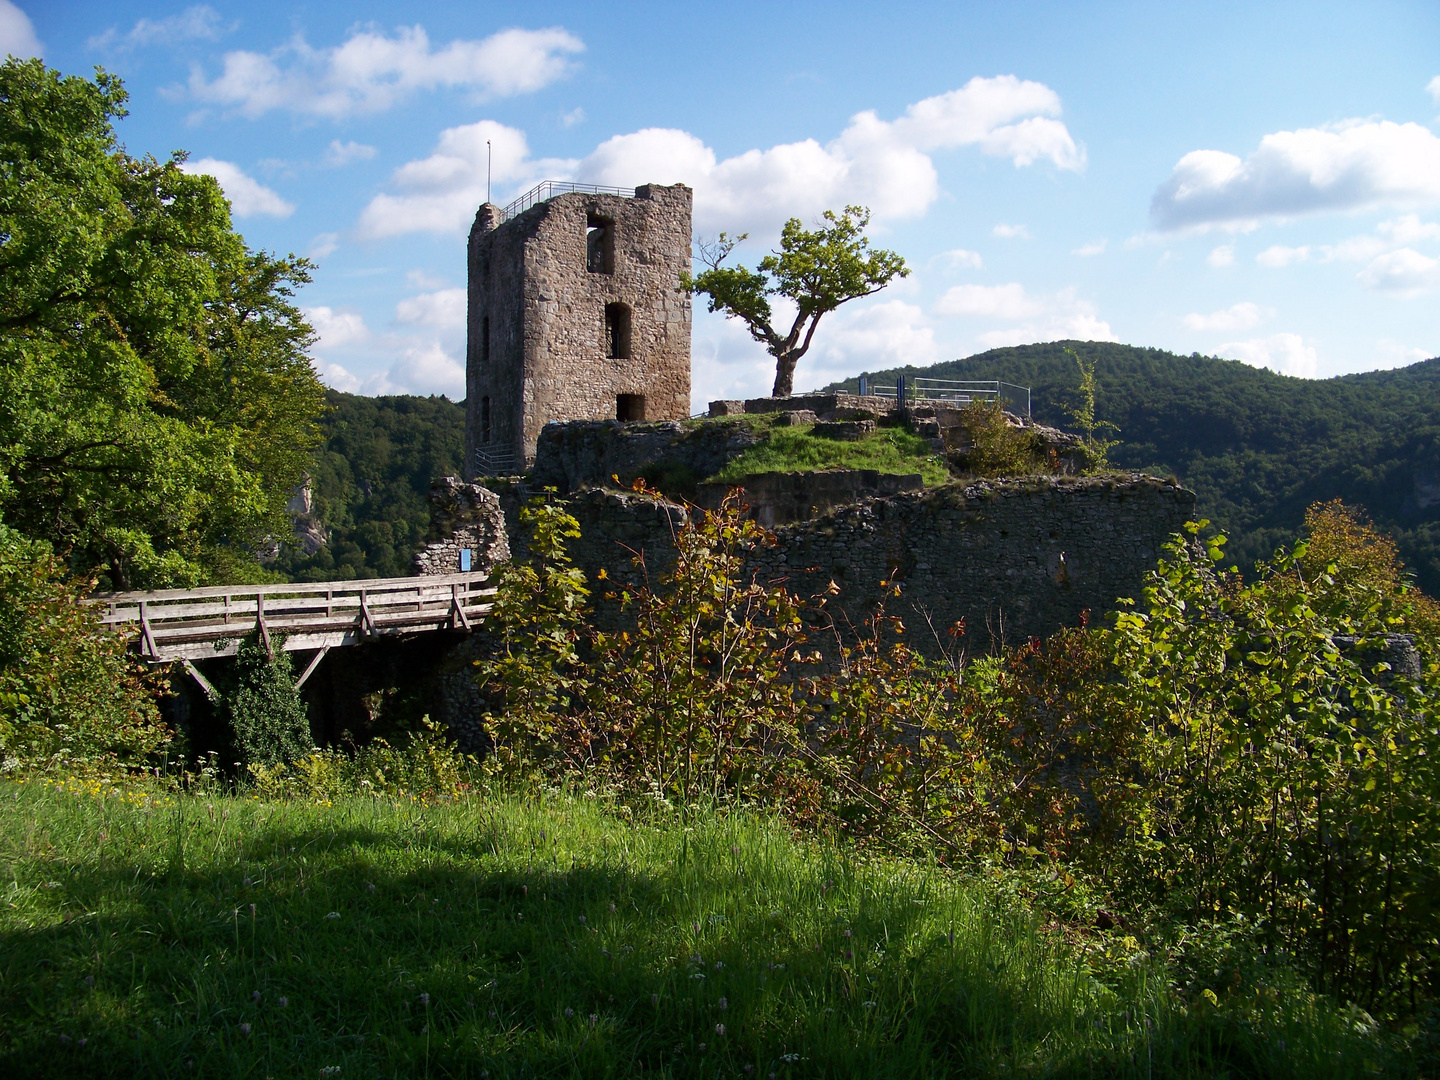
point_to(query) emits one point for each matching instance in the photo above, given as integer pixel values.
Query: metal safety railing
(959, 392)
(548, 189)
(496, 461)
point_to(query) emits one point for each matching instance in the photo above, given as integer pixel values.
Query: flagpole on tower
(487, 170)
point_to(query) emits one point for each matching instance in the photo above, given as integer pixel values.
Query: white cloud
(885, 165)
(247, 195)
(890, 333)
(1240, 316)
(371, 71)
(1284, 353)
(17, 33)
(1042, 318)
(338, 377)
(957, 258)
(989, 302)
(1224, 255)
(1405, 272)
(324, 244)
(1085, 251)
(1409, 229)
(428, 369)
(1347, 166)
(1434, 87)
(199, 23)
(573, 117)
(442, 310)
(1390, 353)
(1279, 255)
(1012, 232)
(336, 329)
(440, 193)
(339, 154)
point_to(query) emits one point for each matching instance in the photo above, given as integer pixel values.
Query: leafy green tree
(69, 692)
(267, 717)
(156, 402)
(818, 269)
(1097, 447)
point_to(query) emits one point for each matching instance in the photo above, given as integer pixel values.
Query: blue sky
(1259, 181)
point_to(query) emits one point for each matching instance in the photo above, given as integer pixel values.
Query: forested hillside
(370, 479)
(1257, 447)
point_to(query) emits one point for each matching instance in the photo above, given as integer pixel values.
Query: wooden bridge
(198, 624)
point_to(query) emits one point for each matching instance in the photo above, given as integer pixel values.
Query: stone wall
(1014, 558)
(580, 454)
(463, 517)
(783, 498)
(538, 349)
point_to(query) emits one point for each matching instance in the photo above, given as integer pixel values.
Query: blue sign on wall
(464, 560)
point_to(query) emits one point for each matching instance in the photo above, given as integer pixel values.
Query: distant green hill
(1256, 447)
(370, 481)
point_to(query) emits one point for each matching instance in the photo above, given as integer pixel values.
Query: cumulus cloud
(248, 197)
(340, 154)
(887, 334)
(442, 310)
(1279, 255)
(1240, 316)
(1348, 166)
(428, 369)
(1041, 317)
(199, 23)
(324, 244)
(1012, 232)
(1286, 354)
(337, 376)
(883, 164)
(957, 258)
(336, 329)
(372, 71)
(1086, 251)
(1390, 353)
(990, 302)
(1433, 86)
(17, 33)
(573, 117)
(1404, 272)
(1224, 255)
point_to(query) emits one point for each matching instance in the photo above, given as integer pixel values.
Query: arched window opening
(617, 331)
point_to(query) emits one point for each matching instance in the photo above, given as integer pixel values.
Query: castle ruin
(575, 313)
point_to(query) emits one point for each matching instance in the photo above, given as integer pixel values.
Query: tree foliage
(267, 718)
(816, 269)
(156, 403)
(70, 694)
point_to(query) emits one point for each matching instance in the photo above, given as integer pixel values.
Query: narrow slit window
(629, 407)
(599, 245)
(617, 331)
(485, 340)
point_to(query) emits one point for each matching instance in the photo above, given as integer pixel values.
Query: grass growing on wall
(194, 935)
(796, 449)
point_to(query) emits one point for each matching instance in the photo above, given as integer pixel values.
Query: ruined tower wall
(542, 321)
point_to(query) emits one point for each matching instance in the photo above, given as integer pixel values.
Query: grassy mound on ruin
(798, 449)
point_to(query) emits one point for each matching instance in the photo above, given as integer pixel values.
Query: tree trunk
(785, 373)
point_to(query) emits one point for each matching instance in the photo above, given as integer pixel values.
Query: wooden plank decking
(196, 624)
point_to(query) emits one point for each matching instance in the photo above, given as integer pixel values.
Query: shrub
(69, 691)
(998, 448)
(423, 766)
(267, 718)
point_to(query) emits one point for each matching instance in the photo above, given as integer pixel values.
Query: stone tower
(575, 313)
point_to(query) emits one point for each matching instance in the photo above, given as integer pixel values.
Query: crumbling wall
(580, 454)
(463, 517)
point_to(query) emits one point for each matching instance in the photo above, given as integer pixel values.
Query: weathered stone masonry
(576, 312)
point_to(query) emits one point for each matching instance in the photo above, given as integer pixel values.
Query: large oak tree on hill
(818, 269)
(156, 403)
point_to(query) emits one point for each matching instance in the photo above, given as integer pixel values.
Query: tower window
(617, 331)
(599, 245)
(485, 341)
(629, 407)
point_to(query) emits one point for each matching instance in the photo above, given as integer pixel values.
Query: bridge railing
(196, 624)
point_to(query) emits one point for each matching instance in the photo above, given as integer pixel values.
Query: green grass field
(215, 936)
(795, 449)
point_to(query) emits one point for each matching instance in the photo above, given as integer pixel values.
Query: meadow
(150, 931)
